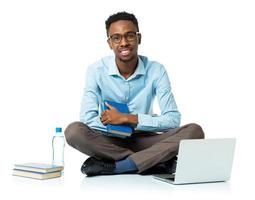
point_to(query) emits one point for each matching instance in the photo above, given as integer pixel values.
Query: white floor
(122, 187)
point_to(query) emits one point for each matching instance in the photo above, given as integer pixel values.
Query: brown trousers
(145, 149)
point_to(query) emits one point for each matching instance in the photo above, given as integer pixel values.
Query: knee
(196, 131)
(72, 130)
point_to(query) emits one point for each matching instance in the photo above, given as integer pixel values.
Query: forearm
(130, 119)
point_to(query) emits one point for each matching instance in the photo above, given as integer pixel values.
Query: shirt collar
(113, 69)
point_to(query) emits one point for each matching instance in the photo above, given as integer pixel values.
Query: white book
(36, 175)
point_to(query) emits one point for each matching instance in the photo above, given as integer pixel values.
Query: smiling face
(126, 49)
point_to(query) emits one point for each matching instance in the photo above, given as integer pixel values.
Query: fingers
(110, 116)
(109, 106)
(105, 118)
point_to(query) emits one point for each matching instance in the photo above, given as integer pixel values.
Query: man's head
(123, 35)
(121, 16)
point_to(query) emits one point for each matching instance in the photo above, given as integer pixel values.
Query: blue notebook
(122, 130)
(38, 167)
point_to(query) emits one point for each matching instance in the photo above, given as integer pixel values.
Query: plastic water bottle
(58, 145)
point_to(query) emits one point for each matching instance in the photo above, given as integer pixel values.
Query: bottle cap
(58, 129)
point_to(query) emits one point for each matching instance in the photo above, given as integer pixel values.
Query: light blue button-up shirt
(150, 80)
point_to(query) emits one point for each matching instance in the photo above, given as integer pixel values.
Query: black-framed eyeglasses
(129, 36)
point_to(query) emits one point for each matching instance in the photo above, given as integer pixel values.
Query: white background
(208, 48)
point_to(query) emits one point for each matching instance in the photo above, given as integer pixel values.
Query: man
(132, 79)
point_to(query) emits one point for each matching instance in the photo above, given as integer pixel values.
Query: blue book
(122, 130)
(38, 167)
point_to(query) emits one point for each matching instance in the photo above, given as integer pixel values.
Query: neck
(126, 69)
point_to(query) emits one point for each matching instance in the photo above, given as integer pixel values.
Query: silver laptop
(202, 161)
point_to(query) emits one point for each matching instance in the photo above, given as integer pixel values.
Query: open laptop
(202, 161)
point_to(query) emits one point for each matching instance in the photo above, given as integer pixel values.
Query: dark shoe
(171, 165)
(157, 169)
(167, 167)
(94, 167)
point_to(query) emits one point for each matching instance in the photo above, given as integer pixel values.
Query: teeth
(125, 52)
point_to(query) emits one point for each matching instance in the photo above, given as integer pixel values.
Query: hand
(112, 116)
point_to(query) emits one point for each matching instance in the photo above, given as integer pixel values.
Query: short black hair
(121, 16)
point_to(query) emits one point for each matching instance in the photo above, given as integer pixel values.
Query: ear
(139, 38)
(109, 43)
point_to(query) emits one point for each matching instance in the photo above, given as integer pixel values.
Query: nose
(123, 41)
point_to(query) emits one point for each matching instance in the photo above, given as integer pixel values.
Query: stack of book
(37, 170)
